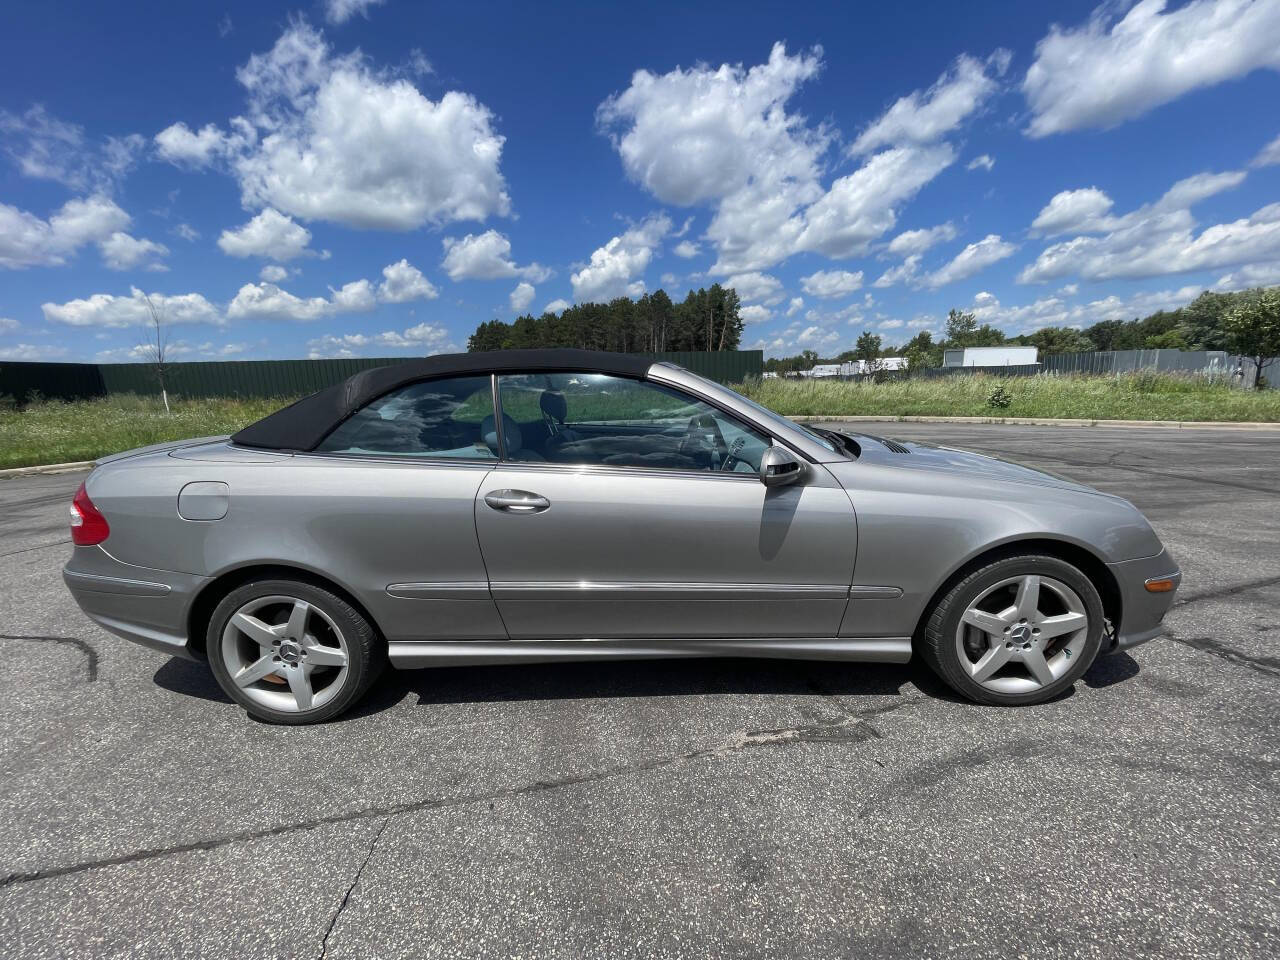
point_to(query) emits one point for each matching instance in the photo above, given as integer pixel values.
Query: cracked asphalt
(731, 808)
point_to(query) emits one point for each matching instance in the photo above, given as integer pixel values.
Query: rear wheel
(290, 652)
(1018, 631)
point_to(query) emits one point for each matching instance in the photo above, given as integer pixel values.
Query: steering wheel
(698, 425)
(731, 459)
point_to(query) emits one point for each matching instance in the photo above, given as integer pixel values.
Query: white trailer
(990, 357)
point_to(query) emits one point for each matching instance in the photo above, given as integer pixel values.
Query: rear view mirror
(779, 467)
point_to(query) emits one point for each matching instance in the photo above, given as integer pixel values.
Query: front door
(628, 509)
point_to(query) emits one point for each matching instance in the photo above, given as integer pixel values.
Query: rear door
(635, 510)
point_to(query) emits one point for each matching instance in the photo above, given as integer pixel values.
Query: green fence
(272, 378)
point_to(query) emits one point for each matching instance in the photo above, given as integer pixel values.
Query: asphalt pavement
(679, 809)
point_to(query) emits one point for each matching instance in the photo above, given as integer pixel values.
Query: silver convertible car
(538, 506)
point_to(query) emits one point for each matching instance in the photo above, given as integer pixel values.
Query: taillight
(88, 526)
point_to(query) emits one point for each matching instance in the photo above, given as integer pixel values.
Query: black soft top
(302, 425)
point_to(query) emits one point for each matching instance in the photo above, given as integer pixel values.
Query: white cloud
(890, 324)
(402, 282)
(1269, 155)
(8, 324)
(1073, 211)
(557, 306)
(927, 116)
(1159, 239)
(982, 162)
(522, 296)
(1251, 275)
(831, 283)
(270, 234)
(266, 301)
(754, 286)
(26, 240)
(425, 338)
(187, 232)
(109, 310)
(795, 306)
(32, 351)
(973, 259)
(355, 297)
(274, 273)
(755, 313)
(1108, 71)
(123, 252)
(328, 137)
(486, 256)
(46, 148)
(1057, 312)
(616, 268)
(918, 241)
(340, 11)
(686, 249)
(904, 272)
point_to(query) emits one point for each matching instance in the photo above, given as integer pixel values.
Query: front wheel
(1017, 631)
(290, 652)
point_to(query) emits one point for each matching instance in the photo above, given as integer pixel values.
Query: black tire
(938, 646)
(366, 654)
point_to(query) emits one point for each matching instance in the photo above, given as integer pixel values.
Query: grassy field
(54, 432)
(1138, 396)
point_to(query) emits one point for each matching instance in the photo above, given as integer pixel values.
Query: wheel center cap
(290, 652)
(1021, 633)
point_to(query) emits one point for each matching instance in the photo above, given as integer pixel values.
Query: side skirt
(411, 654)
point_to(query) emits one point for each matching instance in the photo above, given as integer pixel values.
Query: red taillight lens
(88, 526)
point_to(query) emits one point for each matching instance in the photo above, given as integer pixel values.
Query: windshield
(768, 416)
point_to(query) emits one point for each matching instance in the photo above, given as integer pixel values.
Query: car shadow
(1111, 670)
(192, 678)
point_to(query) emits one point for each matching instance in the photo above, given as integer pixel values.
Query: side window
(451, 417)
(590, 418)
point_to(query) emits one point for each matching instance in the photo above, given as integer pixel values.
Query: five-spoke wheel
(291, 652)
(1019, 630)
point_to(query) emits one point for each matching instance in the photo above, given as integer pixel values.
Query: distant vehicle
(989, 357)
(544, 506)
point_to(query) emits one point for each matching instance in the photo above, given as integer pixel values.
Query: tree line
(707, 319)
(1246, 323)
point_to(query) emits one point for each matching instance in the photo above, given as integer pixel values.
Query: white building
(989, 357)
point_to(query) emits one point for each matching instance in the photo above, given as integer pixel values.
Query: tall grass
(1131, 396)
(55, 432)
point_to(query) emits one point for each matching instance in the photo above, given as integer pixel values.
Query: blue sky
(353, 178)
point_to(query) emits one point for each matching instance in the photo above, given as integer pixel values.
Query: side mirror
(779, 466)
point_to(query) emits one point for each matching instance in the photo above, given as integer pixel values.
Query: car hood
(910, 455)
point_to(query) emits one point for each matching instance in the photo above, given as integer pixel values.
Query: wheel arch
(212, 593)
(1079, 556)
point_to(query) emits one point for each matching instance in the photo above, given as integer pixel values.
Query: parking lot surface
(678, 809)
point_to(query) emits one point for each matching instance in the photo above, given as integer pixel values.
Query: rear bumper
(140, 604)
(1142, 612)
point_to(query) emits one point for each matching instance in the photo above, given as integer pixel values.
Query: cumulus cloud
(522, 296)
(1056, 311)
(686, 249)
(486, 256)
(1269, 155)
(274, 273)
(112, 311)
(831, 283)
(1110, 70)
(1159, 239)
(8, 324)
(27, 240)
(267, 301)
(973, 259)
(982, 162)
(402, 282)
(755, 313)
(32, 351)
(557, 306)
(615, 270)
(918, 241)
(328, 137)
(795, 306)
(755, 286)
(904, 272)
(270, 234)
(340, 11)
(46, 148)
(425, 338)
(1073, 211)
(926, 116)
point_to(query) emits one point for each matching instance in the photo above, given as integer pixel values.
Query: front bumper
(140, 604)
(1142, 612)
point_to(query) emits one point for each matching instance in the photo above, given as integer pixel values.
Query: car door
(625, 508)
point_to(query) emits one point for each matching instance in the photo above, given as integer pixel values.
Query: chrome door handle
(516, 501)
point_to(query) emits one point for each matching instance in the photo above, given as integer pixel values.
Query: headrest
(510, 433)
(554, 405)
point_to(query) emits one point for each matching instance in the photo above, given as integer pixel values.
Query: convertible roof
(301, 426)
